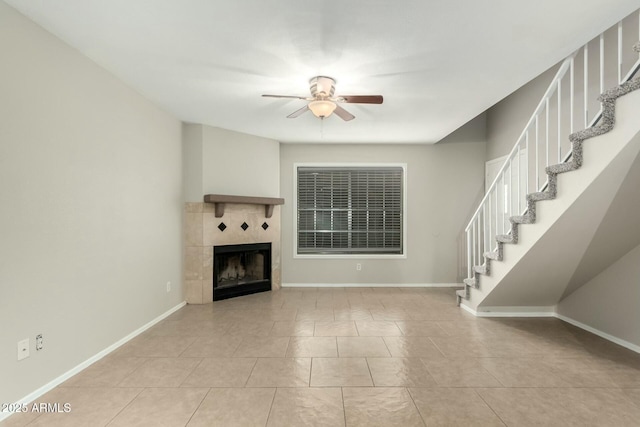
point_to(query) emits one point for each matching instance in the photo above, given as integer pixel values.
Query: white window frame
(403, 255)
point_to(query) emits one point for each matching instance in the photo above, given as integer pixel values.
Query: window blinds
(350, 210)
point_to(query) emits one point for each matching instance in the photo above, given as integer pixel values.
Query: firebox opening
(241, 270)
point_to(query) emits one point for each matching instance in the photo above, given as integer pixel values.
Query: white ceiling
(438, 63)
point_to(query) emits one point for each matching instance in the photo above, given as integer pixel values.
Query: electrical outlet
(23, 349)
(168, 286)
(358, 266)
(39, 342)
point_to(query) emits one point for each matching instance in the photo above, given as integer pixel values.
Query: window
(350, 210)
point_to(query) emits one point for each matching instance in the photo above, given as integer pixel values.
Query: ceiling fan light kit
(322, 102)
(322, 108)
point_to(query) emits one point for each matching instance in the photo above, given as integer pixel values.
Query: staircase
(547, 148)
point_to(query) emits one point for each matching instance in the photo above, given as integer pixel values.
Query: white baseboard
(62, 378)
(547, 312)
(372, 285)
(512, 311)
(606, 336)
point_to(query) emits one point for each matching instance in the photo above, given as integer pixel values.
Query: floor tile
(433, 312)
(317, 314)
(341, 328)
(559, 346)
(362, 304)
(633, 394)
(380, 406)
(524, 372)
(88, 406)
(215, 346)
(457, 366)
(332, 303)
(155, 346)
(161, 407)
(161, 372)
(312, 347)
(281, 315)
(293, 329)
(460, 346)
(375, 328)
(281, 372)
(362, 347)
(221, 372)
(453, 407)
(389, 314)
(561, 406)
(624, 373)
(463, 372)
(262, 347)
(109, 371)
(338, 372)
(257, 328)
(463, 328)
(238, 407)
(189, 328)
(524, 406)
(581, 372)
(421, 328)
(399, 372)
(596, 406)
(307, 407)
(412, 347)
(352, 314)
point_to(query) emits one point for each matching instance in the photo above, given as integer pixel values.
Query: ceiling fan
(323, 103)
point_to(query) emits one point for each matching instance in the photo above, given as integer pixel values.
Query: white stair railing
(570, 101)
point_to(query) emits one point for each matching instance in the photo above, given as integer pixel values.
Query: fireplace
(241, 270)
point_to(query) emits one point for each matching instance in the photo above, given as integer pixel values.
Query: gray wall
(443, 183)
(609, 301)
(506, 119)
(90, 218)
(221, 161)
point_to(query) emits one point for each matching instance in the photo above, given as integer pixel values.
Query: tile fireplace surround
(203, 231)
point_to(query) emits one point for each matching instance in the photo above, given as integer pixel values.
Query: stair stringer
(600, 152)
(540, 278)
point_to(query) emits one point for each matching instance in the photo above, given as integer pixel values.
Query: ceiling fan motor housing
(322, 84)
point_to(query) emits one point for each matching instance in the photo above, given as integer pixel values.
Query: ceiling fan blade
(360, 99)
(298, 112)
(287, 96)
(343, 114)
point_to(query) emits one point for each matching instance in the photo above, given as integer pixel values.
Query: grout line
(125, 406)
(271, 407)
(416, 406)
(438, 348)
(387, 346)
(488, 405)
(251, 373)
(366, 360)
(344, 409)
(199, 405)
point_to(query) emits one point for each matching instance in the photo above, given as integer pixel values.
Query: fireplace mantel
(220, 200)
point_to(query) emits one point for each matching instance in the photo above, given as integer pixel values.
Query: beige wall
(192, 163)
(239, 164)
(506, 119)
(90, 217)
(609, 301)
(221, 161)
(443, 181)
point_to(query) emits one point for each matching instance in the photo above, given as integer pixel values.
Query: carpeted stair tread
(604, 125)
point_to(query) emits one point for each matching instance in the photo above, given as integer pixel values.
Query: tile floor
(351, 357)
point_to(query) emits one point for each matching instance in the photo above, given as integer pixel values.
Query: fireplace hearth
(241, 270)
